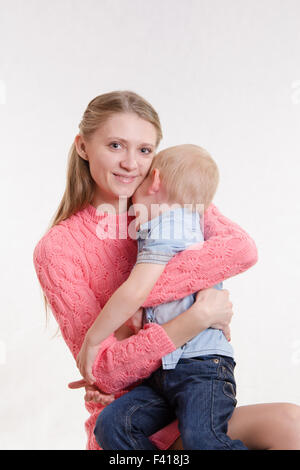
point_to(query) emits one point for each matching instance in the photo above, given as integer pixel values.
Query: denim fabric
(200, 393)
(158, 242)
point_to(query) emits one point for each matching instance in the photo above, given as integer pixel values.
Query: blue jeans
(199, 392)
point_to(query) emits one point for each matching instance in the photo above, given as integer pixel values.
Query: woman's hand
(215, 308)
(85, 360)
(93, 393)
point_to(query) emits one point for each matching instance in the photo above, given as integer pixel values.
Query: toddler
(195, 383)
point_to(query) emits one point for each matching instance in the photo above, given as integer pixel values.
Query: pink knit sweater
(79, 272)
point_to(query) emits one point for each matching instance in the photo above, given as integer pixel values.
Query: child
(195, 383)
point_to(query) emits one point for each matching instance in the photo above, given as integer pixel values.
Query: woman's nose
(129, 161)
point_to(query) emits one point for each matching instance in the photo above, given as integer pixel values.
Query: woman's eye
(146, 150)
(115, 145)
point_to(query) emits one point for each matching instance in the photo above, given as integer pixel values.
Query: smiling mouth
(124, 179)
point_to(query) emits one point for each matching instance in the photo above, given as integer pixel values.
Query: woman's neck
(114, 206)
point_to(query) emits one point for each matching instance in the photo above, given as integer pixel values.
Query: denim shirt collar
(177, 214)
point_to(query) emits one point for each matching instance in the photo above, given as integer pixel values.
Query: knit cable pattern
(79, 272)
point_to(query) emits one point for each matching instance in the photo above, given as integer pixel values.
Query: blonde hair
(80, 186)
(188, 173)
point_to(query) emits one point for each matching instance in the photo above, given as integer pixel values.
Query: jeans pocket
(230, 363)
(226, 370)
(230, 391)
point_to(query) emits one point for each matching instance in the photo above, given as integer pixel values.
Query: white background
(222, 74)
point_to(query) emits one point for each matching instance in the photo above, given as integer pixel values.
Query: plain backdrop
(222, 74)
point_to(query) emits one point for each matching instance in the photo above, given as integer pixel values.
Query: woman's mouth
(124, 179)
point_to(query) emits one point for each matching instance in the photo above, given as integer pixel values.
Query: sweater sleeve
(119, 364)
(64, 281)
(227, 251)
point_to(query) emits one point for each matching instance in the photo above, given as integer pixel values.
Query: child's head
(183, 174)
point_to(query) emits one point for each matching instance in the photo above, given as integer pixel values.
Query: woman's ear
(155, 181)
(80, 147)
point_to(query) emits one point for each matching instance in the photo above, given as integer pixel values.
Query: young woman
(86, 255)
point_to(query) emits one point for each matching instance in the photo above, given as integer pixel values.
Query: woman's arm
(228, 250)
(120, 364)
(65, 282)
(124, 302)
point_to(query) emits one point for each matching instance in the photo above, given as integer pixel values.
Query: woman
(86, 255)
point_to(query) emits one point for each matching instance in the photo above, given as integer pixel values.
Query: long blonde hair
(80, 186)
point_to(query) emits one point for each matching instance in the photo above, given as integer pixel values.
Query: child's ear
(155, 181)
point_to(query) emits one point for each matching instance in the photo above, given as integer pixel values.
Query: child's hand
(135, 322)
(85, 360)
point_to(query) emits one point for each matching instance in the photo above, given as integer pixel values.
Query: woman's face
(120, 153)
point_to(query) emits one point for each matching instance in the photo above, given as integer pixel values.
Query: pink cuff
(104, 345)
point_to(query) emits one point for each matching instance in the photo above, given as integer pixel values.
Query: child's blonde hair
(188, 173)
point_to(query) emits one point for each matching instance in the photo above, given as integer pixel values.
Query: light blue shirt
(159, 239)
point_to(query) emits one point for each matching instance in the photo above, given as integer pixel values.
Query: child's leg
(129, 421)
(203, 392)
